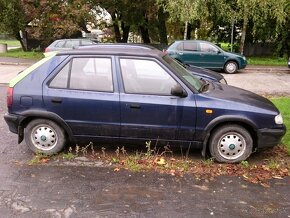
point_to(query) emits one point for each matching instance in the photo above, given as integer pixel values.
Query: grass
(267, 61)
(19, 53)
(10, 42)
(283, 104)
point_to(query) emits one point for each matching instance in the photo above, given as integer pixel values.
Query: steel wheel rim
(231, 145)
(44, 137)
(231, 67)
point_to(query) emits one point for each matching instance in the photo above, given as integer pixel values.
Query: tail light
(165, 51)
(9, 96)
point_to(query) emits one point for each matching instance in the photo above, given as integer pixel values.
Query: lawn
(10, 42)
(18, 53)
(267, 61)
(283, 104)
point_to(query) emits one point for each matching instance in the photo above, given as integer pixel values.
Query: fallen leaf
(161, 161)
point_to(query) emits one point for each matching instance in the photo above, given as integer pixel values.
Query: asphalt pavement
(81, 191)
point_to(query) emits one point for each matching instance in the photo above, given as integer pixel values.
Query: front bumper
(270, 137)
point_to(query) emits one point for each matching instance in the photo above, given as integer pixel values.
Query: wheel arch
(36, 114)
(229, 120)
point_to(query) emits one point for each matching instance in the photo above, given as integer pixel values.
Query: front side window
(92, 74)
(145, 77)
(191, 80)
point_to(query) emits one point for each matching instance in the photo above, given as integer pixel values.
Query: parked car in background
(199, 72)
(127, 94)
(66, 44)
(207, 55)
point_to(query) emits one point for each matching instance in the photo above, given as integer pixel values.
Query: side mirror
(177, 90)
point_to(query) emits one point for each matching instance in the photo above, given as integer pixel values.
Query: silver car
(66, 44)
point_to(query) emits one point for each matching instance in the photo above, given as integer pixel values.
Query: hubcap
(231, 146)
(44, 137)
(231, 67)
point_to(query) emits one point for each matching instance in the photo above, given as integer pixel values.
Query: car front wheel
(230, 144)
(44, 136)
(231, 67)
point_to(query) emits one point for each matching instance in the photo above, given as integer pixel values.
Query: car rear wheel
(231, 67)
(230, 144)
(44, 136)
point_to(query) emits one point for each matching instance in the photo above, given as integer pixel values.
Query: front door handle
(56, 100)
(135, 106)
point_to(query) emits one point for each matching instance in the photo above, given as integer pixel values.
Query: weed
(103, 152)
(149, 150)
(245, 164)
(132, 164)
(208, 162)
(115, 160)
(117, 152)
(68, 156)
(273, 164)
(39, 158)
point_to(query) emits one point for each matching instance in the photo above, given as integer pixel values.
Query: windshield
(182, 72)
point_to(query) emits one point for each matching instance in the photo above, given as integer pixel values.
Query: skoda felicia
(125, 94)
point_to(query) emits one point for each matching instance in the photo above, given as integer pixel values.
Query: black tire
(230, 144)
(44, 136)
(231, 67)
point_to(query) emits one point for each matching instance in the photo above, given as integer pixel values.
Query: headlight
(279, 119)
(244, 58)
(223, 81)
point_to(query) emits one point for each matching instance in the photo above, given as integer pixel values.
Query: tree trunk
(126, 30)
(185, 30)
(116, 28)
(145, 32)
(189, 29)
(244, 32)
(162, 26)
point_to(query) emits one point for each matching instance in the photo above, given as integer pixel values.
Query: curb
(17, 64)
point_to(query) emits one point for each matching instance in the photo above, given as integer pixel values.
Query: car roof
(115, 49)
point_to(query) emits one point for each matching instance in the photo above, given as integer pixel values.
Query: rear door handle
(135, 106)
(56, 100)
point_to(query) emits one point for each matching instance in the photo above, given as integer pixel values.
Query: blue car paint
(87, 114)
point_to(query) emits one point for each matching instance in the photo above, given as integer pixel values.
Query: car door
(148, 111)
(83, 93)
(189, 53)
(211, 56)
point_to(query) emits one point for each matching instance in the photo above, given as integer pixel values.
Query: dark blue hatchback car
(121, 94)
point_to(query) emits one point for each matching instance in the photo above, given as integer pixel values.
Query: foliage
(155, 21)
(283, 106)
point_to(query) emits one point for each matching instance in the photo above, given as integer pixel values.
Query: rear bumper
(13, 121)
(270, 137)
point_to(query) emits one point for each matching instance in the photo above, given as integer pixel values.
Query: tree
(13, 18)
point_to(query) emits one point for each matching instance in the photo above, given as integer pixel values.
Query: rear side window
(190, 46)
(91, 74)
